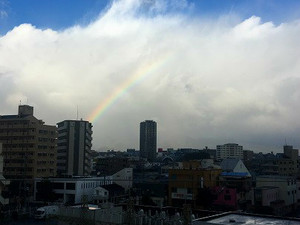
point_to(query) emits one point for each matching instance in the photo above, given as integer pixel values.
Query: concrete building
(234, 166)
(148, 139)
(73, 190)
(224, 198)
(229, 151)
(111, 165)
(265, 195)
(74, 148)
(236, 176)
(185, 184)
(29, 146)
(290, 152)
(124, 178)
(293, 155)
(287, 188)
(265, 199)
(212, 152)
(199, 164)
(100, 195)
(286, 167)
(283, 164)
(248, 158)
(3, 181)
(77, 190)
(298, 192)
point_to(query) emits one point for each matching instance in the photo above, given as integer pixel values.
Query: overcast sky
(208, 72)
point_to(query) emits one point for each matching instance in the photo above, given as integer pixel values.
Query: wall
(225, 196)
(110, 216)
(124, 178)
(287, 187)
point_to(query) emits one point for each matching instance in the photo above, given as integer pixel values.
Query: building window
(227, 197)
(70, 186)
(58, 185)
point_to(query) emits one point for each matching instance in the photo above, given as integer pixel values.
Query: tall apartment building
(74, 147)
(3, 182)
(148, 139)
(29, 146)
(229, 151)
(292, 154)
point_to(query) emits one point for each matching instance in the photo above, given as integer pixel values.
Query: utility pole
(187, 214)
(130, 211)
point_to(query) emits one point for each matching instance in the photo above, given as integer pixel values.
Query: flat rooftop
(245, 219)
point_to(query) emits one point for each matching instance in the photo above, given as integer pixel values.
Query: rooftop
(243, 219)
(267, 187)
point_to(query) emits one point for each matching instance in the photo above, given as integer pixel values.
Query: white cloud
(217, 81)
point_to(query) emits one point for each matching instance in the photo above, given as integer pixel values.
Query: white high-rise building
(74, 147)
(229, 151)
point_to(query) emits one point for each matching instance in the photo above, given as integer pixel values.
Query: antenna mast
(285, 142)
(77, 113)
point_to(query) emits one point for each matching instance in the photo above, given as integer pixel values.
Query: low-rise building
(287, 189)
(75, 190)
(236, 176)
(72, 190)
(224, 198)
(266, 200)
(234, 166)
(187, 184)
(110, 165)
(123, 178)
(100, 195)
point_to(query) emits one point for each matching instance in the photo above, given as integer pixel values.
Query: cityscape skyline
(142, 135)
(207, 73)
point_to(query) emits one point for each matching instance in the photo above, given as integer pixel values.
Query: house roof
(228, 165)
(113, 188)
(232, 174)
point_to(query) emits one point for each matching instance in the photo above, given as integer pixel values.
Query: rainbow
(141, 73)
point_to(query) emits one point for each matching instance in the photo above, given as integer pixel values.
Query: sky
(208, 72)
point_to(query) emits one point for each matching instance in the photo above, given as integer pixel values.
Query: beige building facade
(29, 146)
(229, 151)
(287, 187)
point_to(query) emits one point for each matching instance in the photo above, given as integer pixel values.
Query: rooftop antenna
(20, 102)
(285, 142)
(77, 113)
